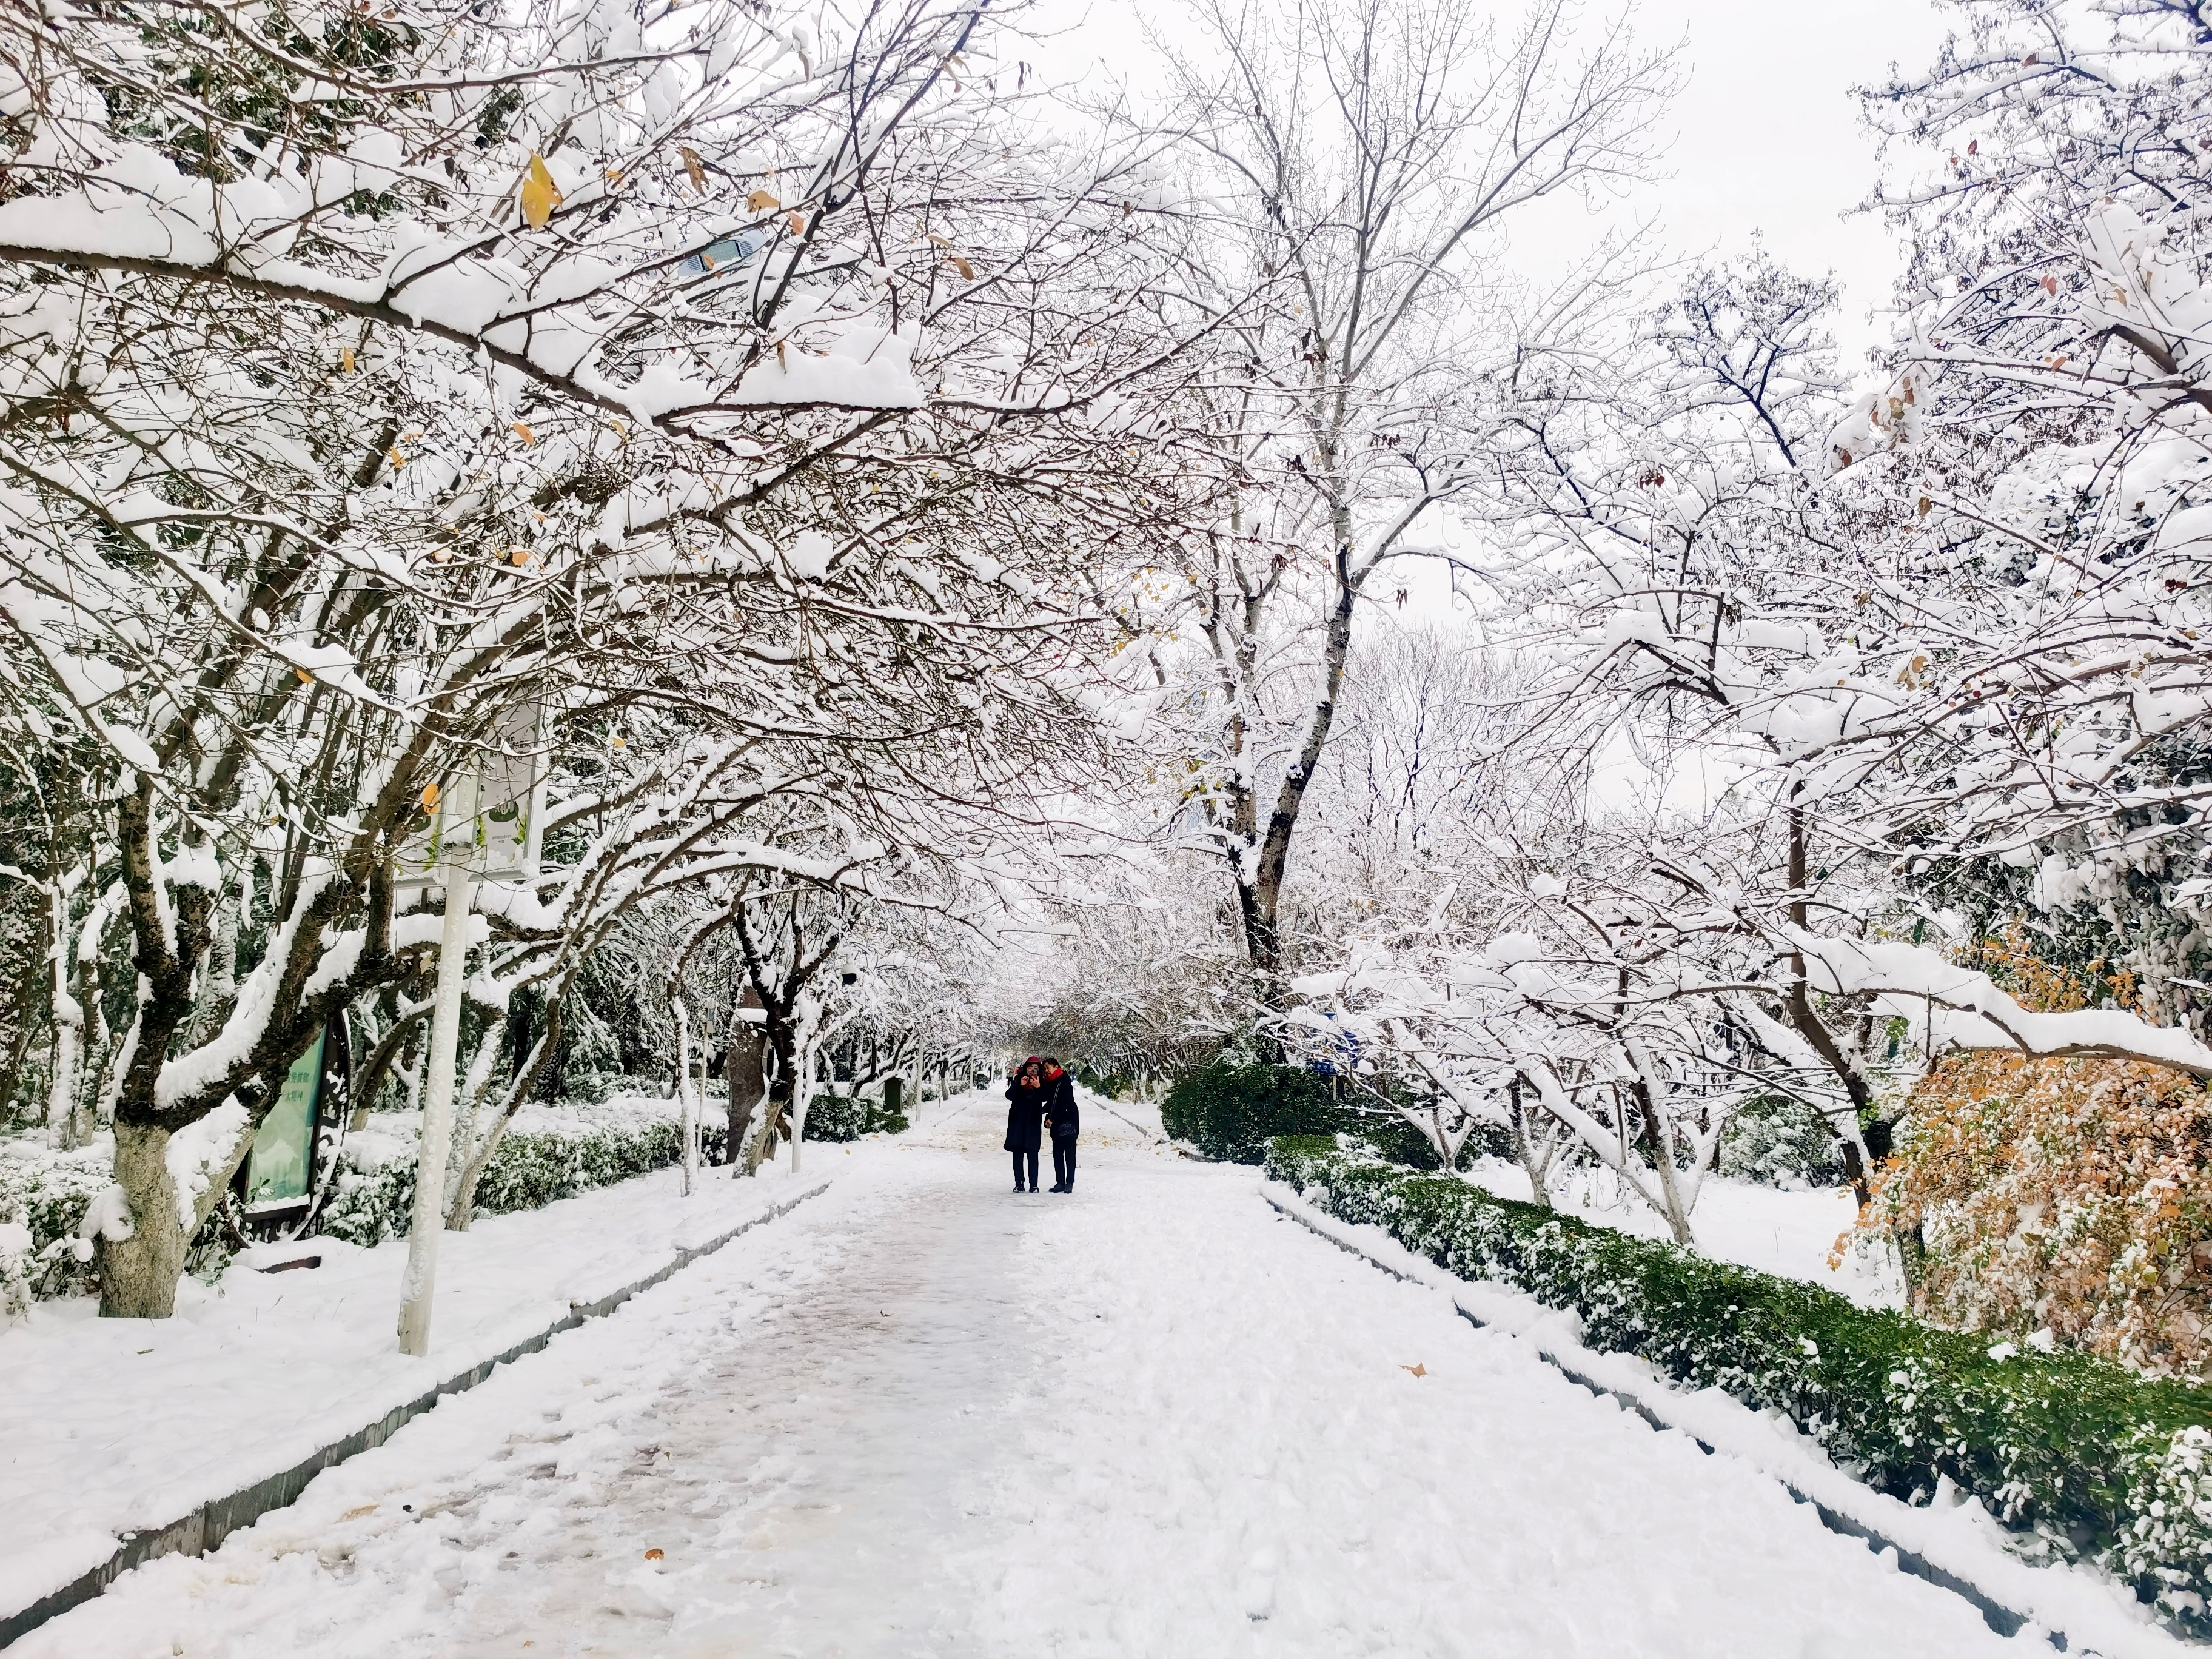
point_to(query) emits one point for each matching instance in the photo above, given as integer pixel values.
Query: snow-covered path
(923, 1416)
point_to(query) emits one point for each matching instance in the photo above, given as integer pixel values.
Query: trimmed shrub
(1231, 1112)
(558, 1155)
(555, 1154)
(2091, 1460)
(50, 1191)
(1777, 1139)
(879, 1120)
(835, 1117)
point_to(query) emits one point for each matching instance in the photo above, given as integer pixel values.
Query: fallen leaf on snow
(1418, 1369)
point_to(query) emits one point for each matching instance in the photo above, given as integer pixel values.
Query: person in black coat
(1025, 1119)
(1059, 1111)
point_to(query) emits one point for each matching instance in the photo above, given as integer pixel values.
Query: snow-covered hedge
(47, 1193)
(548, 1154)
(2087, 1458)
(848, 1117)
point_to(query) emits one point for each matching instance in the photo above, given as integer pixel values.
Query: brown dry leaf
(2051, 285)
(761, 201)
(966, 270)
(357, 1512)
(540, 195)
(798, 223)
(1417, 1369)
(1924, 505)
(653, 1555)
(692, 167)
(398, 459)
(521, 555)
(939, 241)
(523, 432)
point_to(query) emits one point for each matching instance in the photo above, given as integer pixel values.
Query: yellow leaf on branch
(761, 201)
(693, 168)
(540, 195)
(345, 360)
(523, 432)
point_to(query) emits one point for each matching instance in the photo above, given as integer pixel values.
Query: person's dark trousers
(1032, 1158)
(1063, 1164)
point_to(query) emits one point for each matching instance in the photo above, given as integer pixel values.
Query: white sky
(1765, 135)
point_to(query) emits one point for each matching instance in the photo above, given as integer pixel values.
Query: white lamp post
(457, 846)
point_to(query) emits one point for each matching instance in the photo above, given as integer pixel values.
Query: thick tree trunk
(741, 1068)
(139, 1275)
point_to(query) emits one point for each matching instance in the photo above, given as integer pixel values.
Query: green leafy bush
(2091, 1460)
(50, 1191)
(835, 1117)
(1231, 1112)
(1780, 1140)
(880, 1120)
(1114, 1085)
(374, 1191)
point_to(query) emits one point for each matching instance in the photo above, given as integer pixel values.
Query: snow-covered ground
(921, 1415)
(109, 1426)
(1782, 1232)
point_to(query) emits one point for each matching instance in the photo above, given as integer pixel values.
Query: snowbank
(111, 1426)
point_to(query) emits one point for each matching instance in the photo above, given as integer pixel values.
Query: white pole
(416, 1289)
(687, 1112)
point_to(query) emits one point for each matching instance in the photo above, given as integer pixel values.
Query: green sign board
(282, 1161)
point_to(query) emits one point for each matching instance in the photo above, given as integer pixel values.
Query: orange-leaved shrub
(2069, 1194)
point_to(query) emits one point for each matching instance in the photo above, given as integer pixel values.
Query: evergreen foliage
(1230, 1111)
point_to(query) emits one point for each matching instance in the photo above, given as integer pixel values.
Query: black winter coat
(1025, 1118)
(1060, 1107)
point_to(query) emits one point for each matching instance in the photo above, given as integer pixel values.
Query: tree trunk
(741, 1069)
(139, 1275)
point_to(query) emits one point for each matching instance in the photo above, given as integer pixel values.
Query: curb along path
(206, 1526)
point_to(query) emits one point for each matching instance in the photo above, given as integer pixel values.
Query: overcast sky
(1766, 134)
(1764, 138)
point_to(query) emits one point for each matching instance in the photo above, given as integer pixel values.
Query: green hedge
(529, 1170)
(2092, 1459)
(52, 1193)
(848, 1117)
(1230, 1113)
